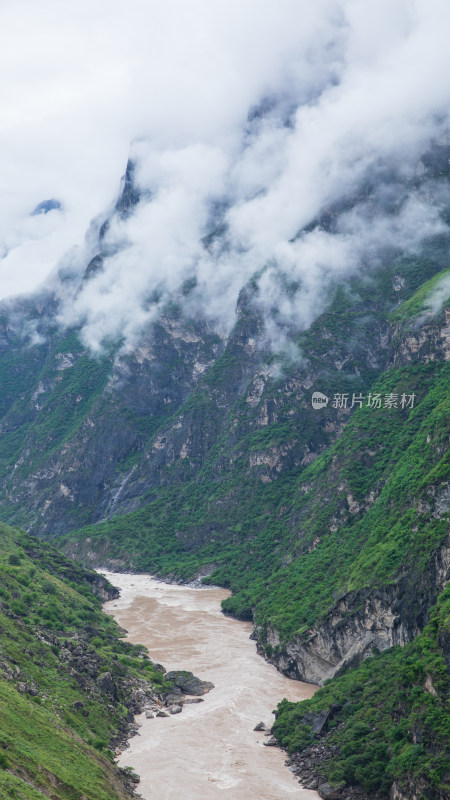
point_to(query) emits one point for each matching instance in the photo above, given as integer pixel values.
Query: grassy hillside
(66, 678)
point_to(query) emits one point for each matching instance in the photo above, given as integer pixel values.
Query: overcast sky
(171, 81)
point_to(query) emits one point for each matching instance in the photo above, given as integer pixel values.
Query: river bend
(210, 751)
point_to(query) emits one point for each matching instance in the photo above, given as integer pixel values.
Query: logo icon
(319, 400)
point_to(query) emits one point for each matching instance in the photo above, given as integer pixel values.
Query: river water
(209, 751)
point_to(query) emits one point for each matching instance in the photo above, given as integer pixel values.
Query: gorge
(228, 369)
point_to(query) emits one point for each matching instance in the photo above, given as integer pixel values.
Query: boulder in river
(261, 726)
(188, 683)
(175, 697)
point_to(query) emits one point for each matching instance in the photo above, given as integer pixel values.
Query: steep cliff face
(82, 428)
(361, 623)
(410, 499)
(382, 729)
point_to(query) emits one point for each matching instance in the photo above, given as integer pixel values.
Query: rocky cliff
(380, 730)
(377, 616)
(361, 623)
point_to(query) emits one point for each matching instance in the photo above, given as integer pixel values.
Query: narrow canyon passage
(209, 751)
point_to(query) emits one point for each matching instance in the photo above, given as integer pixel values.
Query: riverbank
(210, 750)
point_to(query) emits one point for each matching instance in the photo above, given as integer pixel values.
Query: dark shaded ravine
(209, 751)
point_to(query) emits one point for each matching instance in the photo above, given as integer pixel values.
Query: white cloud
(365, 87)
(436, 300)
(79, 81)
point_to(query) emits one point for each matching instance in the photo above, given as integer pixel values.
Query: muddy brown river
(210, 750)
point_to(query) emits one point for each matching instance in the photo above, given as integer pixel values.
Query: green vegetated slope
(81, 422)
(369, 515)
(85, 438)
(66, 678)
(361, 515)
(74, 391)
(385, 722)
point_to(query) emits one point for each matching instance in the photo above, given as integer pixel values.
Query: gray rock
(358, 622)
(327, 792)
(149, 715)
(162, 714)
(261, 726)
(175, 697)
(272, 742)
(194, 700)
(79, 706)
(28, 688)
(175, 709)
(106, 684)
(319, 722)
(188, 683)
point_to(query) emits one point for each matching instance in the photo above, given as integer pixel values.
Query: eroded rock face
(428, 341)
(359, 623)
(102, 588)
(107, 685)
(415, 790)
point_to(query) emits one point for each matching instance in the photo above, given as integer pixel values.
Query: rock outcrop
(359, 624)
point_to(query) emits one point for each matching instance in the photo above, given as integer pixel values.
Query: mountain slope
(84, 438)
(69, 686)
(384, 726)
(190, 454)
(335, 563)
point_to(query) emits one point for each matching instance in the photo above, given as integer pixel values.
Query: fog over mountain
(281, 139)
